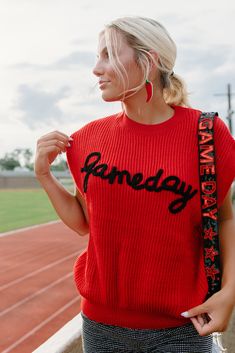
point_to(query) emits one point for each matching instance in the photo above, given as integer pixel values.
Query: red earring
(149, 89)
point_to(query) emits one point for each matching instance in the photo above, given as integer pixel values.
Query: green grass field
(22, 208)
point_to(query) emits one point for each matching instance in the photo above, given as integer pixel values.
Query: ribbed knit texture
(144, 262)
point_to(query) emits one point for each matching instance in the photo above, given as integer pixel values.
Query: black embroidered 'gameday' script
(171, 183)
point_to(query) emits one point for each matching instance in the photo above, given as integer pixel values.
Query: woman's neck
(154, 112)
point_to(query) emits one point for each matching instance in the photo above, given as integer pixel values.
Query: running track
(37, 291)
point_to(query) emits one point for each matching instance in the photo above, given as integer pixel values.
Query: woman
(142, 279)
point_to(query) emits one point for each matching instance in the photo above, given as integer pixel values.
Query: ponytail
(175, 92)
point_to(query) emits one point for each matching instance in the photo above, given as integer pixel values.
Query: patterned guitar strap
(209, 210)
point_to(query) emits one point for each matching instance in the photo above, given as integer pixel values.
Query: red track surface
(37, 291)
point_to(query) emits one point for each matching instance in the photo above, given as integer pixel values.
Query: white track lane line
(29, 297)
(12, 232)
(52, 264)
(43, 323)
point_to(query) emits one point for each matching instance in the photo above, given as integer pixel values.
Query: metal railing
(67, 340)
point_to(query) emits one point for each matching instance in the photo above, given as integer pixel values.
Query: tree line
(22, 157)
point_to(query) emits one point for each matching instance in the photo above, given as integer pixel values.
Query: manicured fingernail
(185, 314)
(68, 144)
(70, 139)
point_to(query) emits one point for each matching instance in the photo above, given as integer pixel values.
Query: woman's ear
(153, 58)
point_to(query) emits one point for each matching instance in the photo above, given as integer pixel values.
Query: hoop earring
(149, 90)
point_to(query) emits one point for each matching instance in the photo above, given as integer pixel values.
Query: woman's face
(109, 83)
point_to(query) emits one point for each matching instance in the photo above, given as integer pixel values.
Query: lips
(103, 81)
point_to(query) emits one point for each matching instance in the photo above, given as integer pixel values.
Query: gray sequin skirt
(102, 338)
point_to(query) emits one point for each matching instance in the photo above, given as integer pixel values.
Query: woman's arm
(82, 203)
(65, 204)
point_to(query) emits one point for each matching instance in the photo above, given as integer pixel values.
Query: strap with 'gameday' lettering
(209, 210)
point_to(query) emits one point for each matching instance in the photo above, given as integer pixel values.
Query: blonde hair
(143, 35)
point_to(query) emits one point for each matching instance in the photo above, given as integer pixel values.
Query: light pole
(229, 94)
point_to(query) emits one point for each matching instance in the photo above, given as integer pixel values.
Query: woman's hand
(48, 148)
(214, 314)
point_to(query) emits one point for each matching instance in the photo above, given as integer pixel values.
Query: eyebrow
(103, 50)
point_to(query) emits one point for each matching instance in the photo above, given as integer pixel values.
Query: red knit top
(144, 262)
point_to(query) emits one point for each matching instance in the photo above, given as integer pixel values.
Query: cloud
(206, 71)
(39, 107)
(84, 58)
(72, 61)
(24, 65)
(192, 56)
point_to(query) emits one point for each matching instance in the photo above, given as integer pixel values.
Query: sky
(49, 47)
